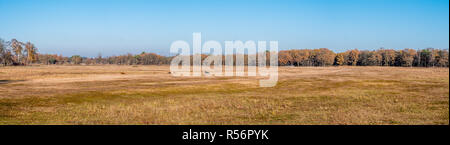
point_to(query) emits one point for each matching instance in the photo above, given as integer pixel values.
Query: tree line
(429, 57)
(15, 52)
(128, 59)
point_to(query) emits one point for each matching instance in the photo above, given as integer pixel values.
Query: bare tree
(17, 47)
(5, 54)
(2, 50)
(99, 59)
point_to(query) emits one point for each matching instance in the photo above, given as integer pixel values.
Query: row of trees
(306, 57)
(128, 59)
(15, 52)
(382, 57)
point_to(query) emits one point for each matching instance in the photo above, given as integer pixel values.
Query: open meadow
(112, 94)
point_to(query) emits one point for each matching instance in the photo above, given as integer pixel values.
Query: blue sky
(113, 27)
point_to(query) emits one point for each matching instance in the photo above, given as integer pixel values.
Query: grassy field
(150, 95)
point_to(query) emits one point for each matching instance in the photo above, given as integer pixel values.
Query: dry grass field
(150, 95)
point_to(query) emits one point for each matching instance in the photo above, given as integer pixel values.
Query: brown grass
(150, 95)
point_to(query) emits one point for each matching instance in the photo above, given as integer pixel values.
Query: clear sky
(113, 27)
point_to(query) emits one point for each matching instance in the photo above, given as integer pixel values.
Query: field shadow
(9, 81)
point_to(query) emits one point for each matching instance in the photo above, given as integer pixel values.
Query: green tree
(76, 59)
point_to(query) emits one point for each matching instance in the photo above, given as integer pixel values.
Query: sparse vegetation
(120, 90)
(111, 94)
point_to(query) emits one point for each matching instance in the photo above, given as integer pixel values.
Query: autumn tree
(352, 57)
(375, 58)
(405, 57)
(323, 57)
(31, 52)
(388, 57)
(300, 57)
(17, 47)
(285, 58)
(424, 57)
(339, 59)
(363, 58)
(441, 58)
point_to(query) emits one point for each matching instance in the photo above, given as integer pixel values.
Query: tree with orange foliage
(352, 57)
